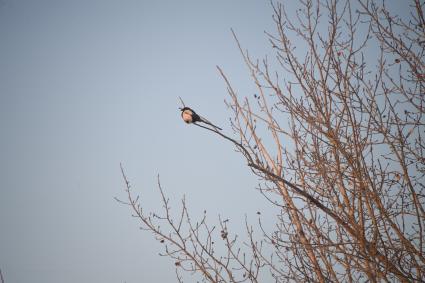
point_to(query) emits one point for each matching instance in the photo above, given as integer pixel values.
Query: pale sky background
(85, 85)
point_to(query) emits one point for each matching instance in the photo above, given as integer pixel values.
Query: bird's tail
(203, 120)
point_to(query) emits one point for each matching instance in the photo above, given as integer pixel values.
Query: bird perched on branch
(190, 116)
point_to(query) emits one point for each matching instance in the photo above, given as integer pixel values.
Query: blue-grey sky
(85, 85)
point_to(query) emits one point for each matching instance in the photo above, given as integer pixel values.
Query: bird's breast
(187, 117)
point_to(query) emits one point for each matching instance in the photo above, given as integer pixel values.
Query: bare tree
(335, 131)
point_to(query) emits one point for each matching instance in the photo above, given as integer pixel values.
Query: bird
(190, 116)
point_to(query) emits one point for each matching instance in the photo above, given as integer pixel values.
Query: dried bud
(397, 176)
(224, 234)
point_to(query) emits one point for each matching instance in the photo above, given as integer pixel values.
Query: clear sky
(85, 85)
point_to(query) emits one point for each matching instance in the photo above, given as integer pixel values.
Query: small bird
(190, 116)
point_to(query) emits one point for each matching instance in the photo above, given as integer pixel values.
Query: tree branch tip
(182, 102)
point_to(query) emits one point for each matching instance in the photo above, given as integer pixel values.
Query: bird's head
(184, 109)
